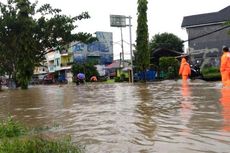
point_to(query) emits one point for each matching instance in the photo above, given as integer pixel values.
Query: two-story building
(207, 34)
(59, 62)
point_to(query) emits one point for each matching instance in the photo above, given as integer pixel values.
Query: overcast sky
(163, 15)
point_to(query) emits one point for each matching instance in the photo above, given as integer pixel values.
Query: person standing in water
(185, 70)
(225, 67)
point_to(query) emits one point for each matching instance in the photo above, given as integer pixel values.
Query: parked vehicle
(48, 79)
(195, 71)
(62, 79)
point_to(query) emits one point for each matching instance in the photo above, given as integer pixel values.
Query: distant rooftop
(208, 18)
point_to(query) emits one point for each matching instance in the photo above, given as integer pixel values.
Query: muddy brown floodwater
(161, 117)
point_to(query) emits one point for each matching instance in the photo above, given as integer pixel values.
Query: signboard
(117, 20)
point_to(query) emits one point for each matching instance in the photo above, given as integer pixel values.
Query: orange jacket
(184, 68)
(93, 78)
(225, 62)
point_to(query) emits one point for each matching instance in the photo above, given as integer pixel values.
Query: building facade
(207, 34)
(59, 62)
(53, 60)
(100, 51)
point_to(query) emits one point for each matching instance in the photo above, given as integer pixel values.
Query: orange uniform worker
(93, 79)
(185, 69)
(225, 66)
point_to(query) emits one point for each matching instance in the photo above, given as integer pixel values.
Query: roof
(208, 18)
(159, 52)
(116, 64)
(65, 68)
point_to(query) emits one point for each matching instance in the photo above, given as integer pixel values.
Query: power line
(206, 34)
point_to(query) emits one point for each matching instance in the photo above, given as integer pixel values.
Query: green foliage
(28, 33)
(121, 78)
(211, 73)
(110, 81)
(142, 58)
(169, 67)
(37, 145)
(87, 68)
(14, 138)
(166, 41)
(117, 79)
(1, 71)
(11, 128)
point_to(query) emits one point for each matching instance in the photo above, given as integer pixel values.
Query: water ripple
(159, 117)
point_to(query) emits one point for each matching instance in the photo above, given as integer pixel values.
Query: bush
(211, 73)
(117, 79)
(122, 77)
(10, 128)
(169, 66)
(37, 145)
(14, 138)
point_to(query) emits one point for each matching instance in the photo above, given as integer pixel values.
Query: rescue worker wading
(225, 67)
(185, 70)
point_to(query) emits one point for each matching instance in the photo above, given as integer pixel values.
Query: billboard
(117, 20)
(78, 47)
(103, 48)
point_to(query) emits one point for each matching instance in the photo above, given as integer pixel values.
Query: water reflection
(145, 123)
(186, 105)
(206, 109)
(225, 101)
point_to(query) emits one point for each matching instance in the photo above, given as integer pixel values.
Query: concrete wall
(206, 51)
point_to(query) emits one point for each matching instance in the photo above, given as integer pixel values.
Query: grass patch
(15, 138)
(110, 81)
(10, 128)
(37, 145)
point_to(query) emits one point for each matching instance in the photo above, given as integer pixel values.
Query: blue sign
(78, 47)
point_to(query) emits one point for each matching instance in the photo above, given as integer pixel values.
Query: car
(48, 79)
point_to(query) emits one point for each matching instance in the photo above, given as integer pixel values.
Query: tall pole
(122, 49)
(131, 50)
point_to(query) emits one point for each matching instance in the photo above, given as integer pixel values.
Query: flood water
(161, 117)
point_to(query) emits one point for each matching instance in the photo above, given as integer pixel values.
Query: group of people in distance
(80, 78)
(185, 70)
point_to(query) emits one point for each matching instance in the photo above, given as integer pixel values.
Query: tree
(27, 34)
(166, 41)
(142, 54)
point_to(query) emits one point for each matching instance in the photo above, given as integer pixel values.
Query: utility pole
(131, 50)
(122, 50)
(120, 21)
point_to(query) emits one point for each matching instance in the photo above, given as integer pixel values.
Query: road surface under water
(161, 117)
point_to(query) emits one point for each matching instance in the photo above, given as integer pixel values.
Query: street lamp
(120, 21)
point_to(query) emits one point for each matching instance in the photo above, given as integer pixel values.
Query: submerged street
(161, 117)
